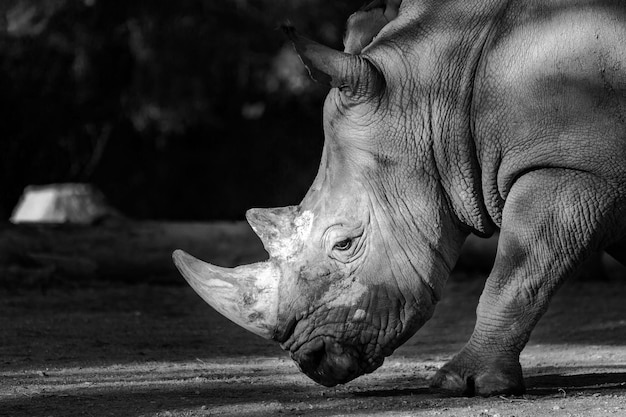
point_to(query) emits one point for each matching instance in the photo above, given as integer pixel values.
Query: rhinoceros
(444, 118)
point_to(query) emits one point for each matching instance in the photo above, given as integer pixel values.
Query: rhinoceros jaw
(246, 295)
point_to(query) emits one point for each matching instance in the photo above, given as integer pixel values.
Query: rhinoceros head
(357, 267)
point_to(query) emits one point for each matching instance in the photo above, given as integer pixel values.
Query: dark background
(184, 109)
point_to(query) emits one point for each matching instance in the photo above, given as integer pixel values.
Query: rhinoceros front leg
(551, 221)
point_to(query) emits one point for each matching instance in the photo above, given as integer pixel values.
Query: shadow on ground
(145, 350)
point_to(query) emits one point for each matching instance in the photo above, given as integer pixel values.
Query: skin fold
(526, 107)
(457, 117)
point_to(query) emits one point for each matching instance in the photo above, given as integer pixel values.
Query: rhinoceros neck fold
(246, 295)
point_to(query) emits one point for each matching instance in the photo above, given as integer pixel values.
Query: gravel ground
(121, 349)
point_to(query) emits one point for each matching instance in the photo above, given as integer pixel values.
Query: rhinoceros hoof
(471, 378)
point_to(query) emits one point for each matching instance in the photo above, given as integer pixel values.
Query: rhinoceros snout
(327, 362)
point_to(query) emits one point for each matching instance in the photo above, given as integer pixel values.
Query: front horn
(246, 295)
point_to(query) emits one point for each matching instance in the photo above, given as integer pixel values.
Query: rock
(74, 203)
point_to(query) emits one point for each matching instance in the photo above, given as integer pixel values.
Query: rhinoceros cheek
(328, 362)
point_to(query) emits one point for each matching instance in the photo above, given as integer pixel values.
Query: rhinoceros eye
(343, 244)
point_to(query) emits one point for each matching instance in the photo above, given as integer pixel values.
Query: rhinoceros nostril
(310, 355)
(316, 359)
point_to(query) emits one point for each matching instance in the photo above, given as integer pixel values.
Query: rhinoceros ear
(352, 74)
(364, 25)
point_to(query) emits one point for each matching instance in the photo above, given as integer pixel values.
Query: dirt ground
(120, 349)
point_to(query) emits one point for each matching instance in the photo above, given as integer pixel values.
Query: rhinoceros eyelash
(343, 245)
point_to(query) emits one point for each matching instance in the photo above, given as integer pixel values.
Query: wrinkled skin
(362, 283)
(486, 115)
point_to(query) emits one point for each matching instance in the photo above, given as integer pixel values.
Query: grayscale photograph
(261, 208)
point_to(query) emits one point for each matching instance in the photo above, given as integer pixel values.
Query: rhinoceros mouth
(333, 353)
(328, 361)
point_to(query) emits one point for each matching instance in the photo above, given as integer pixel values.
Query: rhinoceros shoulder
(551, 92)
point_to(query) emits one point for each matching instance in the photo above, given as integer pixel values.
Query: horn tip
(251, 214)
(178, 253)
(180, 257)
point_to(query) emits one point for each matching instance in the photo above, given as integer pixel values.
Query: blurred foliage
(184, 110)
